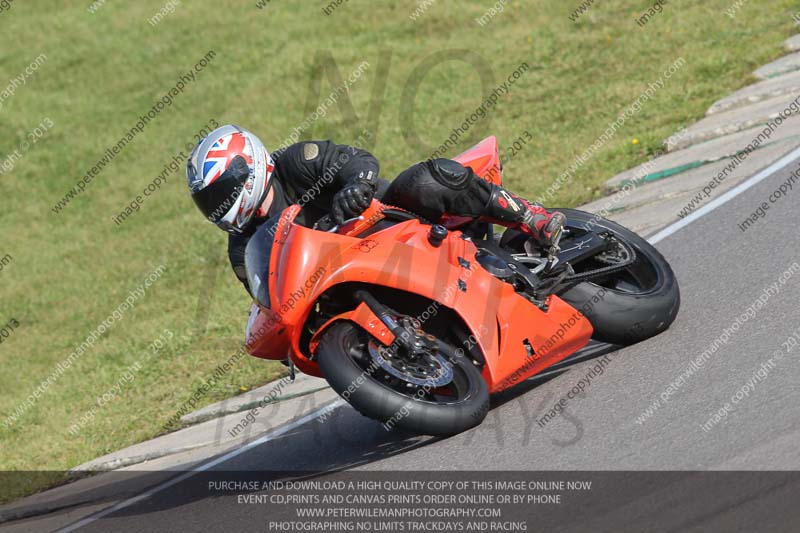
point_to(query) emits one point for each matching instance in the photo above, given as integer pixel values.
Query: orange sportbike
(416, 323)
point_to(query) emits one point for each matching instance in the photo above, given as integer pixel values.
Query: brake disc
(431, 369)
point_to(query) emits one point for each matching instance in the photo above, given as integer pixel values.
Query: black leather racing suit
(310, 173)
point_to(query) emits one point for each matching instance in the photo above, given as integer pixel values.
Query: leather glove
(352, 201)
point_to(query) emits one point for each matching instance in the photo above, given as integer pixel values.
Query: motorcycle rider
(238, 184)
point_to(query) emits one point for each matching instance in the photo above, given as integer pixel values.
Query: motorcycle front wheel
(436, 394)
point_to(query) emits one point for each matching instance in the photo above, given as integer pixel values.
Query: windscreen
(256, 260)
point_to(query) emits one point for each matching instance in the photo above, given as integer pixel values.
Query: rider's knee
(451, 174)
(445, 172)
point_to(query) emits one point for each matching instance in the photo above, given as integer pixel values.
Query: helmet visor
(218, 198)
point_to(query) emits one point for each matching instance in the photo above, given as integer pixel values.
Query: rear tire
(621, 314)
(374, 399)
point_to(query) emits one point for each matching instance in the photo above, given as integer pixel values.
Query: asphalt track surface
(721, 271)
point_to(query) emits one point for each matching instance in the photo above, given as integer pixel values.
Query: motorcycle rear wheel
(624, 307)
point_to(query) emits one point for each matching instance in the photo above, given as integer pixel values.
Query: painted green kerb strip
(661, 174)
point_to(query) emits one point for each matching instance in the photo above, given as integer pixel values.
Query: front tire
(342, 356)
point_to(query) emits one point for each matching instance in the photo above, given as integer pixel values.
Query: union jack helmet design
(229, 177)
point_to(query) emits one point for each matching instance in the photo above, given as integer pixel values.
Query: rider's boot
(528, 217)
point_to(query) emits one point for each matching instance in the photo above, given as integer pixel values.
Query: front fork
(407, 333)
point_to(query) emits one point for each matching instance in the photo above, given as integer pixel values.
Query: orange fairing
(484, 160)
(516, 338)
